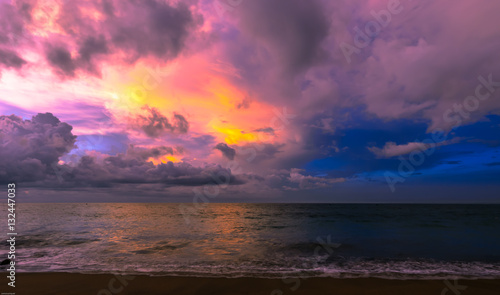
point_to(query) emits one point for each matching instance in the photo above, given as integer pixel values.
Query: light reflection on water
(253, 239)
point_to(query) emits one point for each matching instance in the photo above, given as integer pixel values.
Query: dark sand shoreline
(105, 284)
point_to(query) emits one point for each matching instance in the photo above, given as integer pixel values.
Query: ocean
(260, 240)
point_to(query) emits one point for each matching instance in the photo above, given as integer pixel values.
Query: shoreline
(105, 284)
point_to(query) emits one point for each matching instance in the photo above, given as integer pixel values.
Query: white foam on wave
(355, 268)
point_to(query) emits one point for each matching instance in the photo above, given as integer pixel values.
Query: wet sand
(104, 284)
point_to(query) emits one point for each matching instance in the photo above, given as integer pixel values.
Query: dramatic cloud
(130, 169)
(151, 28)
(31, 147)
(256, 153)
(436, 69)
(10, 59)
(91, 48)
(31, 152)
(295, 180)
(78, 35)
(265, 130)
(226, 150)
(11, 32)
(391, 149)
(146, 153)
(292, 30)
(166, 93)
(154, 124)
(60, 58)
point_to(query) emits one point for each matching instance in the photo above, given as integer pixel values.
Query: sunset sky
(250, 100)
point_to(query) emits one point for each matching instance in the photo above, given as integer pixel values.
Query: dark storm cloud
(269, 150)
(127, 30)
(226, 150)
(155, 124)
(31, 152)
(91, 47)
(138, 29)
(151, 28)
(11, 32)
(10, 59)
(256, 153)
(126, 169)
(181, 124)
(108, 7)
(60, 59)
(11, 25)
(244, 104)
(30, 147)
(295, 179)
(146, 153)
(265, 130)
(25, 9)
(292, 29)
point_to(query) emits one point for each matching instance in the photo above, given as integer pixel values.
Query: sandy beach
(101, 284)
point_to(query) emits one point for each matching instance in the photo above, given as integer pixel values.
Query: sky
(251, 100)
